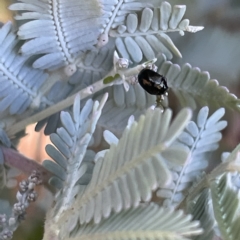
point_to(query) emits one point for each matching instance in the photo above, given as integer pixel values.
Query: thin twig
(86, 92)
(11, 131)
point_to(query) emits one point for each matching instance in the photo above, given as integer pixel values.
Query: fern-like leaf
(143, 36)
(19, 82)
(137, 165)
(93, 66)
(200, 137)
(71, 141)
(144, 222)
(60, 30)
(134, 102)
(116, 11)
(202, 210)
(193, 86)
(226, 205)
(163, 18)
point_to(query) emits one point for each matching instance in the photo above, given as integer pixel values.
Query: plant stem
(86, 92)
(12, 158)
(11, 131)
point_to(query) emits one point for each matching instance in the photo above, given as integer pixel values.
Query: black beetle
(152, 82)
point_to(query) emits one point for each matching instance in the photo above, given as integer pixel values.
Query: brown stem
(14, 159)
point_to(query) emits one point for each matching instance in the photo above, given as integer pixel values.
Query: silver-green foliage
(130, 170)
(214, 200)
(124, 176)
(225, 198)
(16, 75)
(202, 210)
(192, 86)
(143, 35)
(200, 138)
(143, 222)
(57, 30)
(71, 141)
(102, 200)
(217, 207)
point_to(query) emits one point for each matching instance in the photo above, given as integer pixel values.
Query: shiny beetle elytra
(152, 82)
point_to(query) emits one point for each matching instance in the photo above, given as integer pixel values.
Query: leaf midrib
(79, 203)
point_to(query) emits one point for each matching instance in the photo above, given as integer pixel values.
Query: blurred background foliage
(216, 49)
(5, 14)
